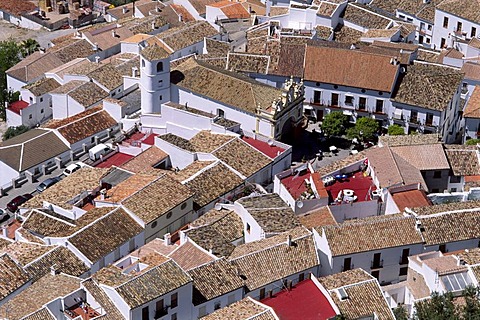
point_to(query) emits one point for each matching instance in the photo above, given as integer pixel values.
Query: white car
(73, 167)
(3, 214)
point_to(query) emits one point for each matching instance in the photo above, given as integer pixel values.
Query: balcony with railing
(347, 267)
(376, 264)
(403, 260)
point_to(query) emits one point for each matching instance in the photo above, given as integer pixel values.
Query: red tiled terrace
(86, 312)
(17, 106)
(411, 199)
(116, 160)
(271, 151)
(360, 184)
(295, 184)
(138, 138)
(304, 301)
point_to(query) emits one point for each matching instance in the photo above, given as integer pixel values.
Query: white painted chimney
(153, 25)
(134, 72)
(114, 34)
(180, 17)
(97, 59)
(124, 10)
(167, 239)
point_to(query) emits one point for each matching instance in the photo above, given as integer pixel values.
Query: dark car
(18, 201)
(47, 183)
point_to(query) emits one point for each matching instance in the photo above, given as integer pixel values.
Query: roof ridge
(271, 246)
(82, 118)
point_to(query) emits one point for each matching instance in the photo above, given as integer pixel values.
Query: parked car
(47, 183)
(3, 214)
(18, 201)
(73, 167)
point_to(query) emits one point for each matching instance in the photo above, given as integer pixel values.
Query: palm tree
(29, 46)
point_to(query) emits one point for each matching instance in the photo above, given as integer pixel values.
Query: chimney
(103, 194)
(41, 49)
(249, 9)
(157, 9)
(134, 72)
(180, 17)
(4, 231)
(289, 240)
(95, 47)
(153, 25)
(114, 34)
(133, 8)
(97, 59)
(167, 239)
(124, 10)
(53, 270)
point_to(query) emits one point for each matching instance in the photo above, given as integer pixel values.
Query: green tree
(395, 130)
(439, 307)
(29, 46)
(471, 309)
(15, 131)
(9, 56)
(334, 124)
(472, 142)
(400, 313)
(364, 129)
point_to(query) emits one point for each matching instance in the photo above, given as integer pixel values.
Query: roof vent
(342, 294)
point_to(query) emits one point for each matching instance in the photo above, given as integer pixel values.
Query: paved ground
(8, 30)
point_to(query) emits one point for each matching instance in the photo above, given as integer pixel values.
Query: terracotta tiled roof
(34, 66)
(84, 124)
(450, 227)
(42, 314)
(216, 230)
(145, 160)
(243, 62)
(152, 284)
(105, 235)
(107, 76)
(469, 10)
(286, 259)
(472, 110)
(362, 16)
(103, 36)
(79, 48)
(200, 5)
(421, 9)
(25, 252)
(50, 224)
(226, 87)
(189, 256)
(270, 212)
(326, 8)
(438, 83)
(85, 179)
(365, 297)
(247, 308)
(157, 199)
(13, 276)
(42, 86)
(187, 35)
(112, 313)
(371, 234)
(38, 294)
(410, 198)
(190, 110)
(214, 279)
(62, 259)
(344, 34)
(204, 141)
(323, 32)
(88, 94)
(423, 157)
(217, 48)
(416, 284)
(256, 246)
(34, 147)
(232, 10)
(317, 218)
(154, 52)
(278, 11)
(351, 68)
(16, 7)
(393, 170)
(128, 187)
(409, 140)
(242, 157)
(470, 256)
(463, 160)
(213, 183)
(445, 207)
(189, 170)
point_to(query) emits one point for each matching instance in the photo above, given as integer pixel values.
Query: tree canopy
(395, 130)
(334, 124)
(9, 56)
(14, 131)
(364, 129)
(472, 142)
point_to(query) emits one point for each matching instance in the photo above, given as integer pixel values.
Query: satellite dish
(270, 142)
(300, 204)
